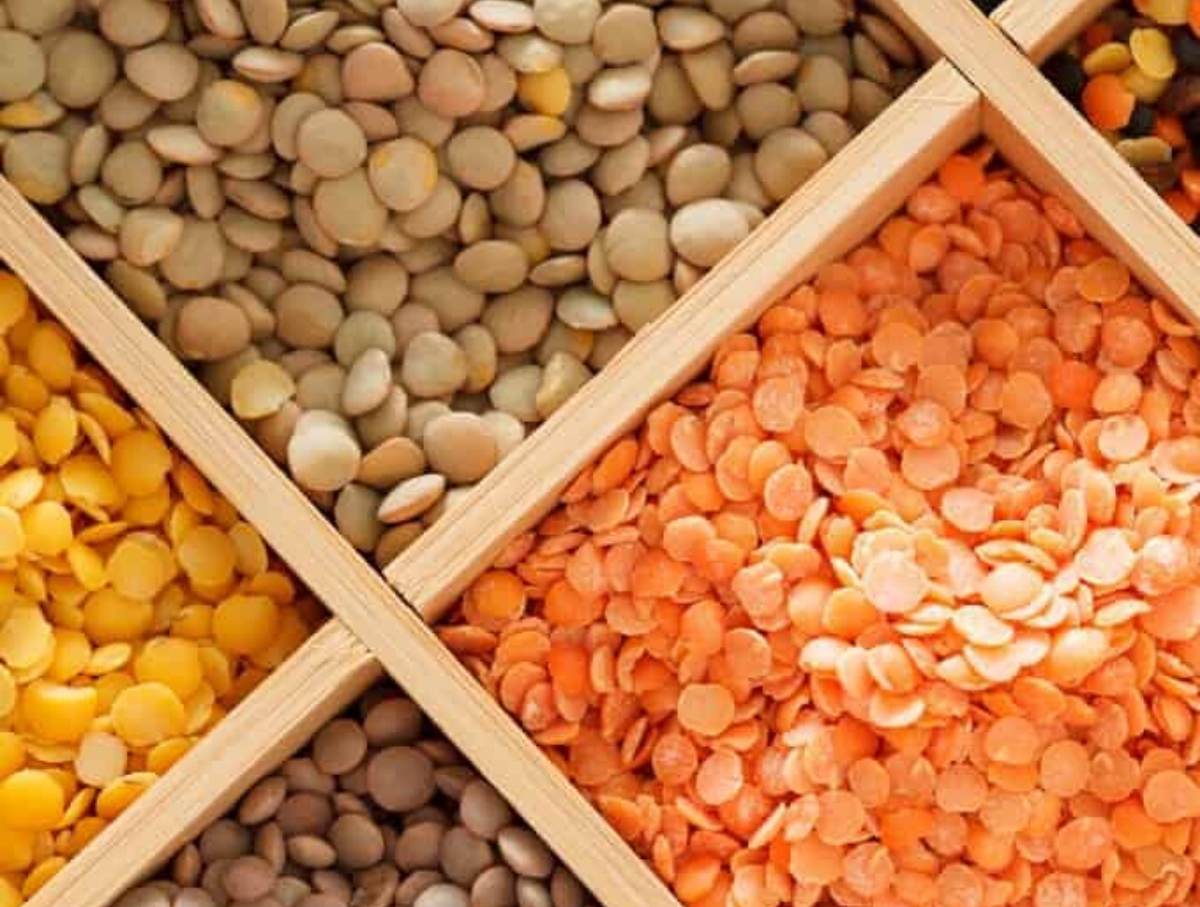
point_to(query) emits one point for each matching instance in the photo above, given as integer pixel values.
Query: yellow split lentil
(136, 607)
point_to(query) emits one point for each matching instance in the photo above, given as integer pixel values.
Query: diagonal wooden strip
(326, 674)
(837, 208)
(895, 12)
(1040, 27)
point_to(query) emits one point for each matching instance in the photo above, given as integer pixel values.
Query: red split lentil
(897, 605)
(136, 607)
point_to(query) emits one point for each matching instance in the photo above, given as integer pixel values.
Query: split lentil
(895, 604)
(136, 608)
(379, 213)
(1135, 73)
(379, 810)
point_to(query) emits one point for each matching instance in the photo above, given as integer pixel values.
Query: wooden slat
(837, 208)
(1052, 144)
(319, 680)
(1040, 27)
(344, 581)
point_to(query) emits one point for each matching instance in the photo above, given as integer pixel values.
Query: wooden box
(982, 84)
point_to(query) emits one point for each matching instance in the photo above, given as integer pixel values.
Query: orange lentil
(706, 708)
(1189, 181)
(496, 599)
(1183, 204)
(674, 759)
(1171, 795)
(615, 466)
(696, 877)
(963, 177)
(1170, 130)
(1103, 280)
(1107, 102)
(898, 604)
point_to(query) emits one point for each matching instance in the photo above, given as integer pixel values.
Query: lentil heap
(136, 608)
(1135, 73)
(393, 237)
(378, 811)
(897, 605)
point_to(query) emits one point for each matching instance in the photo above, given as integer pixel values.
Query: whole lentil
(138, 608)
(391, 837)
(493, 179)
(896, 603)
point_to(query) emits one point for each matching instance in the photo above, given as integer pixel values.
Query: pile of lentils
(1135, 74)
(393, 237)
(379, 811)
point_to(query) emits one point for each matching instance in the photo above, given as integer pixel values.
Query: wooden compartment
(1028, 109)
(984, 87)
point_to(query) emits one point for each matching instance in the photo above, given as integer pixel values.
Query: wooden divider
(897, 12)
(838, 207)
(326, 674)
(349, 586)
(1040, 27)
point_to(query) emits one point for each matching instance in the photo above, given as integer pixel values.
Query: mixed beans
(897, 603)
(136, 607)
(395, 237)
